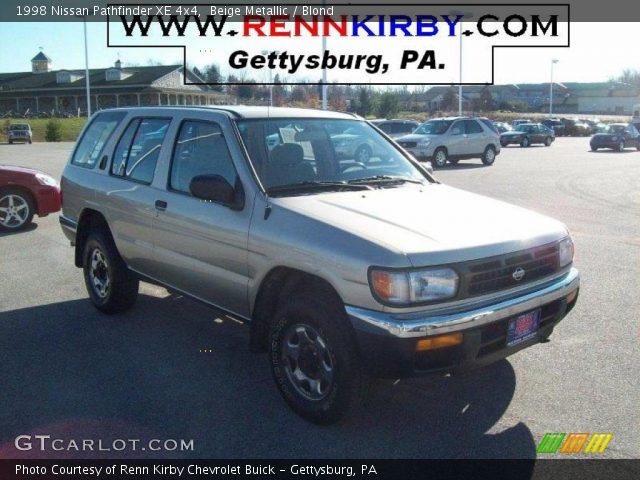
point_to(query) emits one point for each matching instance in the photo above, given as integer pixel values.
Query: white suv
(453, 139)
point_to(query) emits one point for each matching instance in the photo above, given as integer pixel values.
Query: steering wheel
(354, 165)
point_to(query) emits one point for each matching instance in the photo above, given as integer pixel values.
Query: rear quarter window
(94, 138)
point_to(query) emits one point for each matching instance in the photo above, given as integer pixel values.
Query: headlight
(46, 179)
(566, 251)
(414, 286)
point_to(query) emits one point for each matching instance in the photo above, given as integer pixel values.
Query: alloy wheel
(99, 273)
(14, 211)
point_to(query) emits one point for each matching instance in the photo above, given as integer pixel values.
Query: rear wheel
(314, 360)
(112, 287)
(547, 142)
(16, 209)
(621, 146)
(524, 143)
(489, 155)
(440, 157)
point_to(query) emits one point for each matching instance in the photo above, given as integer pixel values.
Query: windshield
(616, 128)
(433, 127)
(19, 126)
(310, 154)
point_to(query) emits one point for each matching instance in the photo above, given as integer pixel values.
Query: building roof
(48, 80)
(40, 57)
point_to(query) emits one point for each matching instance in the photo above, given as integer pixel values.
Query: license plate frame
(523, 327)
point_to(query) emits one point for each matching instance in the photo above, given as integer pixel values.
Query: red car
(25, 192)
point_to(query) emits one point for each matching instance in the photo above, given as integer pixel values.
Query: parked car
(343, 270)
(515, 123)
(352, 142)
(20, 132)
(453, 139)
(556, 125)
(576, 128)
(617, 136)
(396, 128)
(503, 127)
(527, 134)
(25, 192)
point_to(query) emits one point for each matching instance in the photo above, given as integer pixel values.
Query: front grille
(408, 144)
(499, 273)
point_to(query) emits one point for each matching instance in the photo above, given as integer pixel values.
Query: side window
(138, 149)
(387, 127)
(95, 137)
(457, 128)
(200, 150)
(471, 126)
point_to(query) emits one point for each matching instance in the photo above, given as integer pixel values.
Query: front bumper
(387, 342)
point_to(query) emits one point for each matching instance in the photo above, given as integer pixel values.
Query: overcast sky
(597, 53)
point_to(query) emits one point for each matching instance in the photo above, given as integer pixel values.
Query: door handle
(161, 205)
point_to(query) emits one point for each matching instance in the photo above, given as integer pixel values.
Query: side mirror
(215, 188)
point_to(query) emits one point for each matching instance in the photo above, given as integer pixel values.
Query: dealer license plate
(523, 327)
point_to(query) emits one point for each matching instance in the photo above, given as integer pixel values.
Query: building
(63, 91)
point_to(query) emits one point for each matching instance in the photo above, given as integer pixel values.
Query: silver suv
(453, 139)
(340, 267)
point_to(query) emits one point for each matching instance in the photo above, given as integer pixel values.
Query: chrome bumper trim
(393, 325)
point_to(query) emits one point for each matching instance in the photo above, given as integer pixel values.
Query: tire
(489, 155)
(314, 360)
(111, 286)
(440, 157)
(547, 142)
(30, 141)
(503, 144)
(620, 146)
(594, 149)
(363, 154)
(638, 147)
(524, 143)
(16, 209)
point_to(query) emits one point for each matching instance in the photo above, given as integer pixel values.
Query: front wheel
(547, 142)
(16, 209)
(440, 157)
(524, 143)
(489, 155)
(111, 286)
(314, 360)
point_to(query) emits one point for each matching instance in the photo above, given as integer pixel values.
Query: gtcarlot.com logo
(573, 443)
(45, 443)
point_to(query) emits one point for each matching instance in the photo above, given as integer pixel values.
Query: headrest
(287, 154)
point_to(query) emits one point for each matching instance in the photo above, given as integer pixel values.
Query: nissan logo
(518, 273)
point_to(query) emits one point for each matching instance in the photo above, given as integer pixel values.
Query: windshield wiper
(315, 185)
(377, 179)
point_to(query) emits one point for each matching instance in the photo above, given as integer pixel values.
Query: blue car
(616, 136)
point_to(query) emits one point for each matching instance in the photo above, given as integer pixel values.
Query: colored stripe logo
(573, 443)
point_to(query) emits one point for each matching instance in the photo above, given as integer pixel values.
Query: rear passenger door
(127, 191)
(475, 140)
(201, 246)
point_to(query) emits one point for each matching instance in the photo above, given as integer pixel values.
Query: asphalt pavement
(174, 369)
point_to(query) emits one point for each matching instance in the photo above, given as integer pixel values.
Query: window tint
(471, 126)
(94, 138)
(200, 150)
(136, 159)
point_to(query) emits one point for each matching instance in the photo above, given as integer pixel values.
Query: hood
(15, 169)
(415, 137)
(431, 224)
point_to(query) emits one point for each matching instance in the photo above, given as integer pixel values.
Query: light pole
(266, 52)
(553, 62)
(324, 70)
(87, 82)
(464, 15)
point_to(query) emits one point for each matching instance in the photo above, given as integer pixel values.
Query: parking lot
(174, 369)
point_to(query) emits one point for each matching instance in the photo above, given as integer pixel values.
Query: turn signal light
(441, 341)
(572, 296)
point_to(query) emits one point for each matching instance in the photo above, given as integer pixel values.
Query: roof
(242, 111)
(48, 80)
(40, 56)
